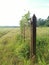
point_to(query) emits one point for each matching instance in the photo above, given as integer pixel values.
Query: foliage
(43, 22)
(40, 22)
(42, 45)
(24, 21)
(17, 52)
(47, 21)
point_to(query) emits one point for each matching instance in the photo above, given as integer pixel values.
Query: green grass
(43, 45)
(13, 50)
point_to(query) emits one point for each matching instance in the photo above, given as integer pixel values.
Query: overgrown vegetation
(14, 51)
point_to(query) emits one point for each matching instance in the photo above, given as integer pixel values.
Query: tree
(40, 22)
(23, 22)
(24, 19)
(47, 21)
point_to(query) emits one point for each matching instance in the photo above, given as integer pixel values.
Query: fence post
(24, 32)
(33, 36)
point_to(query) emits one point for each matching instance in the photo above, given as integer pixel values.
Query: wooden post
(24, 32)
(33, 36)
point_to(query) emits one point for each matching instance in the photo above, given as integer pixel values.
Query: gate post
(33, 37)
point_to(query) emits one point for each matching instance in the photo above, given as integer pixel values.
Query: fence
(29, 33)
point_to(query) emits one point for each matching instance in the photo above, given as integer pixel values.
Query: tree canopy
(43, 22)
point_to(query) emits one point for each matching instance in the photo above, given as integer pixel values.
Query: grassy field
(42, 45)
(13, 50)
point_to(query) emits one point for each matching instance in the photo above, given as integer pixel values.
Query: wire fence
(29, 33)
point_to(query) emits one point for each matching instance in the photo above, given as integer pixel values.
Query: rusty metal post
(33, 36)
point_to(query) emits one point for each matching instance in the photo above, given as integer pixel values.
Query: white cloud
(40, 12)
(12, 10)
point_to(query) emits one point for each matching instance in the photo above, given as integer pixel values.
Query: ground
(13, 50)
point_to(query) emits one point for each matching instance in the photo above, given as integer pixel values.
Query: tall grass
(14, 51)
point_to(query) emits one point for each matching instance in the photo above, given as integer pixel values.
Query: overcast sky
(12, 10)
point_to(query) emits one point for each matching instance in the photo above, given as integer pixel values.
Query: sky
(11, 11)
